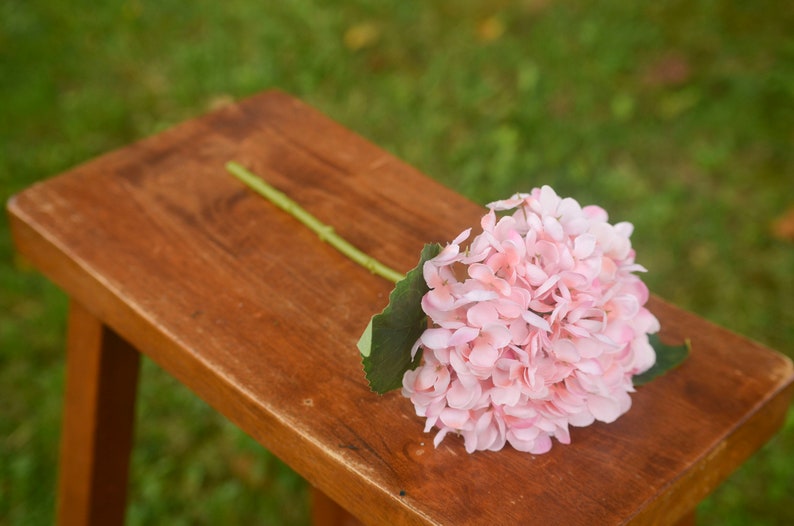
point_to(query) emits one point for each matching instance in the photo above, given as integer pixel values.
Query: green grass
(677, 116)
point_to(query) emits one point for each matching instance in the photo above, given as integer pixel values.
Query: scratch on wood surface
(379, 161)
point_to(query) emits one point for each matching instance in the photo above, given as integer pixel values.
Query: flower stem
(325, 232)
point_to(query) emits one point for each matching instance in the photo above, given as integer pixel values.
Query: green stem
(325, 232)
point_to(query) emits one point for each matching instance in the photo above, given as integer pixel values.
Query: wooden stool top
(259, 318)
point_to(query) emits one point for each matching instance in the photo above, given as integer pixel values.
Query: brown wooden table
(164, 253)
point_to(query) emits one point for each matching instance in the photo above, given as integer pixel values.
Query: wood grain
(260, 319)
(102, 376)
(326, 512)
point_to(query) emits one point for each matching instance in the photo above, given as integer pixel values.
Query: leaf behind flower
(386, 343)
(668, 357)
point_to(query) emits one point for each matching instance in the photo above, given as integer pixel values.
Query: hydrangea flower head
(537, 324)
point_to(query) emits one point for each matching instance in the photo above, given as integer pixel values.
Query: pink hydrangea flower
(537, 324)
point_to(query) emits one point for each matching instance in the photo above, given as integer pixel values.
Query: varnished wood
(102, 374)
(688, 520)
(326, 512)
(260, 319)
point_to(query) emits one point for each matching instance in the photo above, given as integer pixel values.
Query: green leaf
(386, 343)
(667, 357)
(365, 342)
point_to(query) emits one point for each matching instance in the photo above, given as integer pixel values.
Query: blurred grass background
(677, 116)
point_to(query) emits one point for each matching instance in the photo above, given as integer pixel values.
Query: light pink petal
(440, 436)
(440, 298)
(584, 245)
(483, 355)
(436, 338)
(566, 350)
(459, 364)
(548, 285)
(501, 375)
(525, 432)
(415, 347)
(429, 378)
(506, 395)
(589, 348)
(591, 367)
(542, 445)
(463, 336)
(595, 213)
(488, 221)
(508, 204)
(569, 208)
(603, 409)
(482, 314)
(624, 229)
(625, 306)
(549, 200)
(460, 396)
(454, 418)
(574, 280)
(581, 419)
(447, 255)
(473, 295)
(509, 309)
(519, 332)
(504, 227)
(535, 275)
(576, 331)
(562, 434)
(497, 335)
(549, 253)
(644, 356)
(536, 321)
(553, 228)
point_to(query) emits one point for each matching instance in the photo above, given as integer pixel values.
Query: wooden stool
(164, 253)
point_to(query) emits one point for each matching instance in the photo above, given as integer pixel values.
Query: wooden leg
(688, 520)
(326, 512)
(101, 380)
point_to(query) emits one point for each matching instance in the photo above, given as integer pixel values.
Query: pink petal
(542, 445)
(566, 350)
(483, 355)
(549, 199)
(536, 321)
(584, 245)
(454, 418)
(440, 436)
(497, 335)
(553, 228)
(462, 397)
(506, 395)
(463, 336)
(436, 338)
(482, 314)
(603, 409)
(547, 286)
(591, 367)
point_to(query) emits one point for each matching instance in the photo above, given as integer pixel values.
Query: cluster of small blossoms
(537, 325)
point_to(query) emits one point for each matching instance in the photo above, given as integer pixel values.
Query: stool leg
(326, 512)
(101, 380)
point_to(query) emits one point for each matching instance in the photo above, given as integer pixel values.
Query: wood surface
(260, 319)
(326, 512)
(99, 409)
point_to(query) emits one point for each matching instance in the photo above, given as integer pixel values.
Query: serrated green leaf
(386, 343)
(668, 357)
